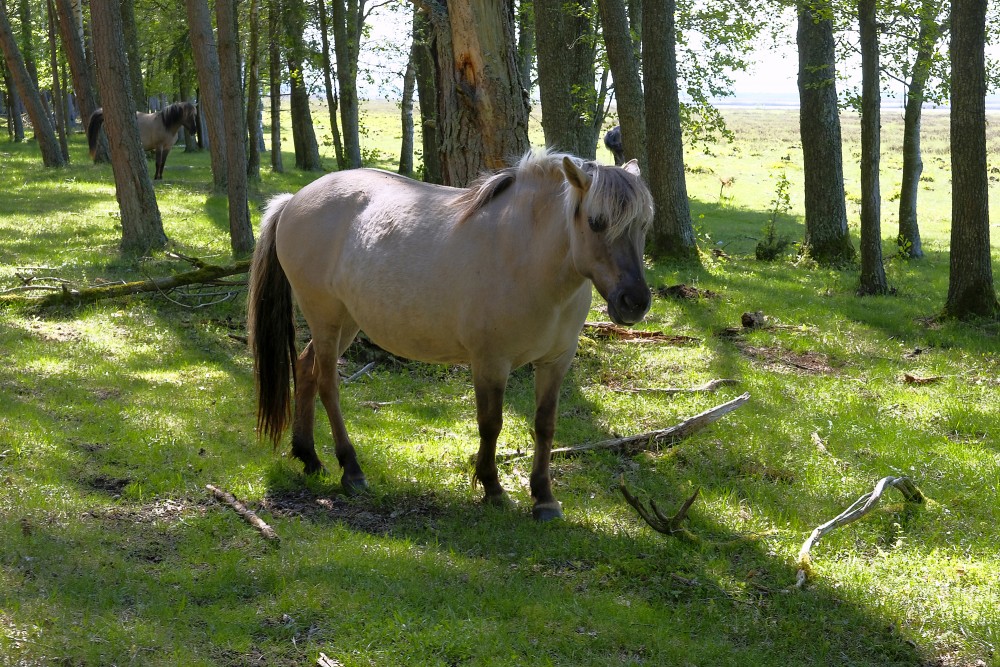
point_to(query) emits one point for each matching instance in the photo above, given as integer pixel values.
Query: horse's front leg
(548, 380)
(489, 382)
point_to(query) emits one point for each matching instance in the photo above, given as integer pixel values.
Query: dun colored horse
(497, 276)
(157, 131)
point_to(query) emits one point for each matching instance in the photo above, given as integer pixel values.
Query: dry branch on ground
(246, 514)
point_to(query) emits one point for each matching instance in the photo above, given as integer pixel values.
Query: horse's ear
(577, 177)
(632, 167)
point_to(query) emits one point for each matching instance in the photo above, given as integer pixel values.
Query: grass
(114, 417)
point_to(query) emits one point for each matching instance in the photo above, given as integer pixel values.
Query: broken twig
(246, 514)
(861, 506)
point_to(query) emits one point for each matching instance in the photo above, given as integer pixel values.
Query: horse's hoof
(500, 501)
(543, 512)
(314, 468)
(354, 487)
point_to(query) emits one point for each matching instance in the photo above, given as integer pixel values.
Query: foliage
(773, 245)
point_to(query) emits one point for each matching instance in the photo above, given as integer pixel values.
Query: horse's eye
(598, 224)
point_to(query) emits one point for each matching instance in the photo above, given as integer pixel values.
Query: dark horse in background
(157, 131)
(613, 142)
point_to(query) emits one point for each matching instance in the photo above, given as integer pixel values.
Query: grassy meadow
(115, 416)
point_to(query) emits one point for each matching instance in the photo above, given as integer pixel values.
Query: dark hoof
(314, 468)
(501, 501)
(543, 512)
(353, 487)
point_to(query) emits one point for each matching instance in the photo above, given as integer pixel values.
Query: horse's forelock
(622, 198)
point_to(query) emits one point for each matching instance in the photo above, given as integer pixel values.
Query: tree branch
(246, 514)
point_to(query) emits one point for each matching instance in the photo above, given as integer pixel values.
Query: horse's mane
(621, 195)
(172, 114)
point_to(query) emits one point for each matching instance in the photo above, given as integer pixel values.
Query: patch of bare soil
(778, 358)
(683, 291)
(612, 331)
(358, 513)
(161, 511)
(53, 333)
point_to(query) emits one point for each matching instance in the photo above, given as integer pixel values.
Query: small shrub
(772, 245)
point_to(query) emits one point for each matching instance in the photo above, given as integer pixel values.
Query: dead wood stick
(246, 514)
(207, 273)
(650, 439)
(711, 385)
(861, 507)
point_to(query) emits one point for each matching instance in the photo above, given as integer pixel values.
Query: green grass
(114, 417)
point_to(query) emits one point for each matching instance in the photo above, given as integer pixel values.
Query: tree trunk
(331, 94)
(673, 233)
(913, 165)
(71, 32)
(57, 93)
(303, 132)
(566, 58)
(348, 21)
(427, 92)
(482, 109)
(206, 59)
(131, 38)
(142, 229)
(240, 231)
(44, 134)
(628, 85)
(15, 127)
(253, 94)
(970, 277)
(827, 239)
(873, 279)
(525, 42)
(406, 116)
(28, 41)
(274, 82)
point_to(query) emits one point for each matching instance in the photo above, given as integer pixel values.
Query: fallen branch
(610, 330)
(711, 385)
(246, 514)
(861, 506)
(659, 521)
(649, 440)
(204, 274)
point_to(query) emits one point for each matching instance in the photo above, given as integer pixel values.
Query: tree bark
(348, 21)
(628, 85)
(406, 115)
(71, 32)
(240, 231)
(131, 39)
(482, 109)
(566, 57)
(526, 42)
(913, 165)
(872, 279)
(970, 278)
(253, 94)
(142, 229)
(673, 233)
(274, 82)
(427, 94)
(57, 92)
(827, 239)
(331, 94)
(206, 59)
(303, 133)
(26, 89)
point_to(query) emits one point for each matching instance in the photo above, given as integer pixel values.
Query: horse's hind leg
(328, 385)
(303, 441)
(161, 159)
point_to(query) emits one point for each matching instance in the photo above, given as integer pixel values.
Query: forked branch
(861, 506)
(657, 520)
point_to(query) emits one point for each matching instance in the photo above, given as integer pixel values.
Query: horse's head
(611, 209)
(190, 118)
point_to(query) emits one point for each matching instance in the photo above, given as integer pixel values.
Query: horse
(495, 276)
(613, 142)
(157, 131)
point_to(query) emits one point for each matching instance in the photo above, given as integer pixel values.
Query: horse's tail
(96, 120)
(271, 329)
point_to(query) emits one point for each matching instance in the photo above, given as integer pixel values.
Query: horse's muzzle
(629, 305)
